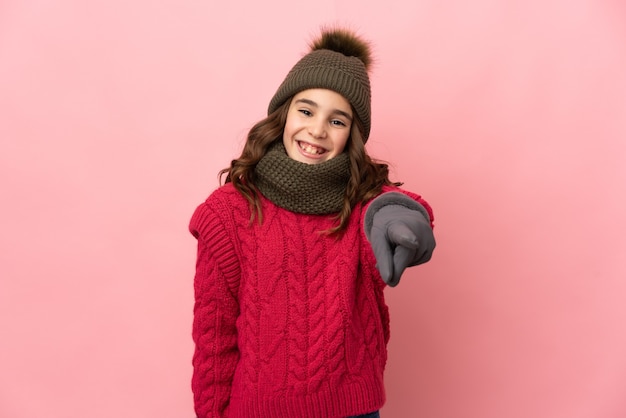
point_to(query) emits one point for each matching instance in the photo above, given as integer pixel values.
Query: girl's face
(318, 126)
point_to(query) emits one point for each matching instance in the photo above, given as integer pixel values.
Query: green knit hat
(338, 61)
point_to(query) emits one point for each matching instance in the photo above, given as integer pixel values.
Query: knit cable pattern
(288, 322)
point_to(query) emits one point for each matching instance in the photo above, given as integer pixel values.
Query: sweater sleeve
(215, 313)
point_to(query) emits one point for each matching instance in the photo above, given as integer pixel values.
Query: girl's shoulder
(225, 197)
(219, 209)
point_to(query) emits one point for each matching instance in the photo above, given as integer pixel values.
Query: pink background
(508, 116)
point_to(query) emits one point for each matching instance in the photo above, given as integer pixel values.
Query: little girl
(295, 249)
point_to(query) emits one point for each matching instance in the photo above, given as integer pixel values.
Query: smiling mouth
(310, 149)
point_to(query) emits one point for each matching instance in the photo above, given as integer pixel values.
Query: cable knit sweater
(288, 322)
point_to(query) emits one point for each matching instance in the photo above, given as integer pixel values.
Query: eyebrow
(335, 111)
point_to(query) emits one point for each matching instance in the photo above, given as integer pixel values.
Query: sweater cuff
(391, 198)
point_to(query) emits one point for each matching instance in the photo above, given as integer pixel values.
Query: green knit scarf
(316, 189)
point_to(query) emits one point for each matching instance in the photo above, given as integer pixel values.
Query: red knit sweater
(288, 322)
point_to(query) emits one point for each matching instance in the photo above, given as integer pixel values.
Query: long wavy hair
(367, 176)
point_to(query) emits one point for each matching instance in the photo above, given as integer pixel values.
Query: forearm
(215, 314)
(214, 359)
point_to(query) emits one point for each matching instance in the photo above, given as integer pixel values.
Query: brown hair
(367, 176)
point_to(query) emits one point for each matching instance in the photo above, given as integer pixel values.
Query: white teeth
(309, 149)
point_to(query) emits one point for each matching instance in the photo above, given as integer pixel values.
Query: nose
(317, 128)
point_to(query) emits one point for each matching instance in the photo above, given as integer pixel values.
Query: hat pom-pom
(345, 42)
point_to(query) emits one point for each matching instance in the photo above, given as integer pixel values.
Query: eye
(338, 122)
(305, 112)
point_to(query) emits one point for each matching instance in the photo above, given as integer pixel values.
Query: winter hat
(339, 61)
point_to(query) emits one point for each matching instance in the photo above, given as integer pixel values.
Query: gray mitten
(399, 230)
